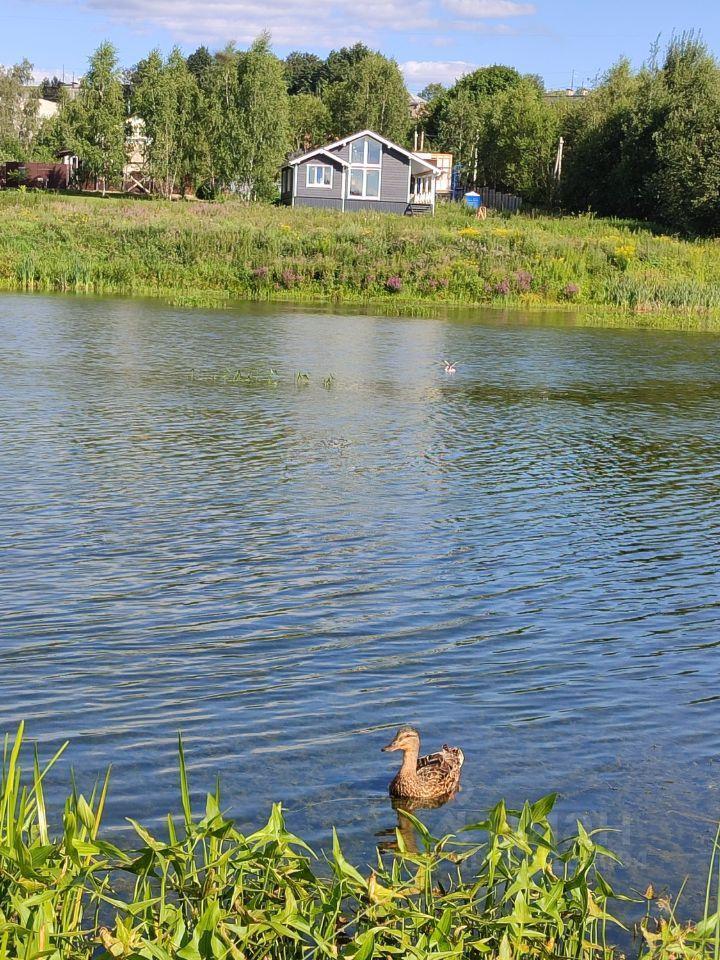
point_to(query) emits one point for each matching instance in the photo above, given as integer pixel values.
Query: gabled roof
(319, 151)
(355, 136)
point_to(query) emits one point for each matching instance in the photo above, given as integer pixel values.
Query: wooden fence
(497, 200)
(35, 176)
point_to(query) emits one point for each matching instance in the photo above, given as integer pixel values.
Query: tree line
(643, 143)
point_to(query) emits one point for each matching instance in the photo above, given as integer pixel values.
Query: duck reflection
(403, 834)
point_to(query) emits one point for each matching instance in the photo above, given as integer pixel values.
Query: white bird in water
(449, 367)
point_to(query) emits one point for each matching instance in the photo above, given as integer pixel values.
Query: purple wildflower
(289, 278)
(571, 291)
(503, 287)
(394, 284)
(524, 280)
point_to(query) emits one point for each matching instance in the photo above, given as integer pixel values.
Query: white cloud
(418, 73)
(293, 23)
(489, 9)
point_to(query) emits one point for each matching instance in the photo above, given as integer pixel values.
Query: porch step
(418, 209)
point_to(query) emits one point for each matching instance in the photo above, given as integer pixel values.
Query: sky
(565, 42)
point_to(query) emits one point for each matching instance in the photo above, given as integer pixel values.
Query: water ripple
(522, 558)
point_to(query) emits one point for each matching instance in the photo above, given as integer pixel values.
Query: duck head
(406, 739)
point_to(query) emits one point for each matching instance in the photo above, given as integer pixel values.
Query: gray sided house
(361, 172)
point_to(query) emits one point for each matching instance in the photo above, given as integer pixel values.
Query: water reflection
(405, 827)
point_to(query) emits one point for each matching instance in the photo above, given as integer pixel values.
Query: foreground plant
(45, 884)
(505, 887)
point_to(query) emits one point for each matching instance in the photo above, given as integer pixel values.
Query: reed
(506, 887)
(606, 271)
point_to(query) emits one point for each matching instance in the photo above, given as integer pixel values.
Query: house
(443, 182)
(361, 172)
(418, 107)
(47, 109)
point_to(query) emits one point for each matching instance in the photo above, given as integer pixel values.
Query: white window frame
(316, 185)
(365, 168)
(366, 143)
(365, 171)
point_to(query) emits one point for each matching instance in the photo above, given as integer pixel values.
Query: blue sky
(431, 39)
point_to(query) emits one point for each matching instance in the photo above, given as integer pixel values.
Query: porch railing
(422, 196)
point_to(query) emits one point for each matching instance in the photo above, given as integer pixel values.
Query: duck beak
(390, 747)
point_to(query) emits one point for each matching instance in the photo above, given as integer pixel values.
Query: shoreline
(517, 313)
(591, 272)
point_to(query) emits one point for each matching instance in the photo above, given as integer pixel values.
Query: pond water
(521, 559)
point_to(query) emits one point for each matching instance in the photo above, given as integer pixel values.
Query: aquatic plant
(49, 885)
(267, 377)
(504, 888)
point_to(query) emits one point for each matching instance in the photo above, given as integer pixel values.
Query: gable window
(365, 160)
(365, 152)
(319, 175)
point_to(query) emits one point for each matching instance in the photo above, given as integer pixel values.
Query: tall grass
(49, 885)
(198, 253)
(505, 887)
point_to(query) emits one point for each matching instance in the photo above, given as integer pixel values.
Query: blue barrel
(473, 200)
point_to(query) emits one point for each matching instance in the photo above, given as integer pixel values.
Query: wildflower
(289, 278)
(394, 284)
(524, 280)
(571, 291)
(260, 272)
(503, 287)
(623, 254)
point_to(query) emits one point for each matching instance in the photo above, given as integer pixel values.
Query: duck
(435, 777)
(449, 367)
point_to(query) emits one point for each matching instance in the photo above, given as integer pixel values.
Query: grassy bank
(211, 254)
(506, 888)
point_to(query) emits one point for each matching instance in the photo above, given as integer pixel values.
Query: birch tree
(263, 120)
(372, 96)
(99, 136)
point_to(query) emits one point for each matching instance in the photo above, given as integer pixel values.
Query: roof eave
(320, 151)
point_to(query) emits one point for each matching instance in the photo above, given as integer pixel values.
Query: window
(366, 160)
(366, 152)
(287, 175)
(364, 183)
(319, 175)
